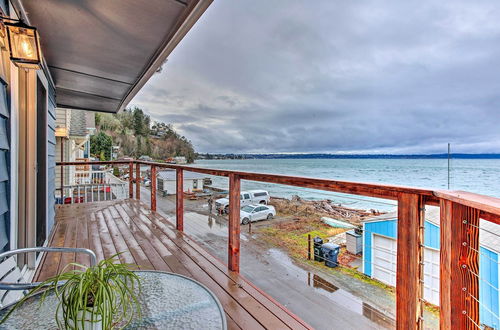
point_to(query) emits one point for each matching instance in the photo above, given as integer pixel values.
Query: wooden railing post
(179, 200)
(153, 188)
(62, 184)
(131, 180)
(409, 259)
(137, 181)
(459, 284)
(233, 259)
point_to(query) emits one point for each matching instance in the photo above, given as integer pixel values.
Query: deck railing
(89, 185)
(460, 213)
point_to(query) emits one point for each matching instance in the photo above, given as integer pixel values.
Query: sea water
(480, 176)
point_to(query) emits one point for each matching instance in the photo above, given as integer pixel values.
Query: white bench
(14, 282)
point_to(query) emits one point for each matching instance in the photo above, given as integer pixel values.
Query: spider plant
(105, 295)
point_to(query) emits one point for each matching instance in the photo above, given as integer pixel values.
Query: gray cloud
(335, 76)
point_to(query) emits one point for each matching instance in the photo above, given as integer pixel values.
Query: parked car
(246, 198)
(256, 212)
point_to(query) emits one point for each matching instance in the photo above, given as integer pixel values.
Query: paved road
(306, 293)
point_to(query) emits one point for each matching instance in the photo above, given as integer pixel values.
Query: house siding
(488, 288)
(387, 228)
(488, 265)
(51, 160)
(4, 167)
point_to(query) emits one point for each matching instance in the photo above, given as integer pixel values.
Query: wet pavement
(332, 300)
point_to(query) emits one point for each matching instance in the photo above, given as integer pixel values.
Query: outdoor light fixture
(3, 35)
(23, 44)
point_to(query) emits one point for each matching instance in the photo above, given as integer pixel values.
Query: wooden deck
(150, 241)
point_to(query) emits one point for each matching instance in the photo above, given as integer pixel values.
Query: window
(247, 196)
(247, 209)
(260, 194)
(195, 184)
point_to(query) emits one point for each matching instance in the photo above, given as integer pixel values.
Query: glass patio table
(168, 301)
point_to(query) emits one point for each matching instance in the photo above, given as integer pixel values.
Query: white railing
(93, 186)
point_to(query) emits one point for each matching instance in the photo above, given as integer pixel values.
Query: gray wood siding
(4, 167)
(51, 160)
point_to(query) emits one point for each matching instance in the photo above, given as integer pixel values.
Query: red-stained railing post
(137, 181)
(409, 259)
(62, 184)
(459, 282)
(153, 188)
(179, 199)
(131, 180)
(233, 260)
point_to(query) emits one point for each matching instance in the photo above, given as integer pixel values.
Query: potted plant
(100, 297)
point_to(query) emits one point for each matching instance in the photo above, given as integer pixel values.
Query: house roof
(489, 233)
(170, 175)
(101, 53)
(81, 121)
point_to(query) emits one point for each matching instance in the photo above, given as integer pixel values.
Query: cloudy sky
(335, 76)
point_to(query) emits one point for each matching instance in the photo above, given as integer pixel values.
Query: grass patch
(292, 238)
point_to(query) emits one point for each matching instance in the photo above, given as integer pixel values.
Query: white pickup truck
(246, 198)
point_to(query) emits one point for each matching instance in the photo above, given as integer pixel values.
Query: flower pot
(88, 324)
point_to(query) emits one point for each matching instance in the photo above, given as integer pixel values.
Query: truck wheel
(226, 209)
(263, 202)
(269, 216)
(245, 221)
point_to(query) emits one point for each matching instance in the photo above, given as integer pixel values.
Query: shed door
(384, 259)
(431, 276)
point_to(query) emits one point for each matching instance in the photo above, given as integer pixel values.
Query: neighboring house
(73, 131)
(379, 259)
(167, 181)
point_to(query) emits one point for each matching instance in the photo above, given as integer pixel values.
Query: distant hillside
(133, 131)
(346, 156)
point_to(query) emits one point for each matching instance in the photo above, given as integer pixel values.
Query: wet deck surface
(151, 242)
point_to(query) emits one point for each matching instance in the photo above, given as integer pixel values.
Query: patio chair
(13, 280)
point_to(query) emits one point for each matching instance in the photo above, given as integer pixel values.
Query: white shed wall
(170, 185)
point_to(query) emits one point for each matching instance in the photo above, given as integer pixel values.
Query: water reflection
(350, 301)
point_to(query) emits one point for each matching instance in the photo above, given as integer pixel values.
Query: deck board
(151, 242)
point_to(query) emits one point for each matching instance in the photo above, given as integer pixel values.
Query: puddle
(202, 225)
(349, 301)
(333, 292)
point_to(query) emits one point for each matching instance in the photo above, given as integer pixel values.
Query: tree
(100, 145)
(138, 121)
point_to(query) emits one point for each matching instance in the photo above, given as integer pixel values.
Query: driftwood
(299, 206)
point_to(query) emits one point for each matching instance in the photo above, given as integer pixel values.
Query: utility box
(354, 242)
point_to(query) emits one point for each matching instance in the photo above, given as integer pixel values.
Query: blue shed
(380, 251)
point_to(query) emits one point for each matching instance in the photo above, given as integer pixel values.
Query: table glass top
(168, 301)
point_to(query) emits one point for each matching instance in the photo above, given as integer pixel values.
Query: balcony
(154, 241)
(151, 242)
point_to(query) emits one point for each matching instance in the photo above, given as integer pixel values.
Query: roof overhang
(101, 53)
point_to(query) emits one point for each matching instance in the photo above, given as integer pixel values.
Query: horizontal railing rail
(460, 213)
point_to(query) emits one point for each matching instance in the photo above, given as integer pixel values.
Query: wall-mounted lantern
(3, 37)
(23, 45)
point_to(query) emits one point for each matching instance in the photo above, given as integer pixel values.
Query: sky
(270, 76)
